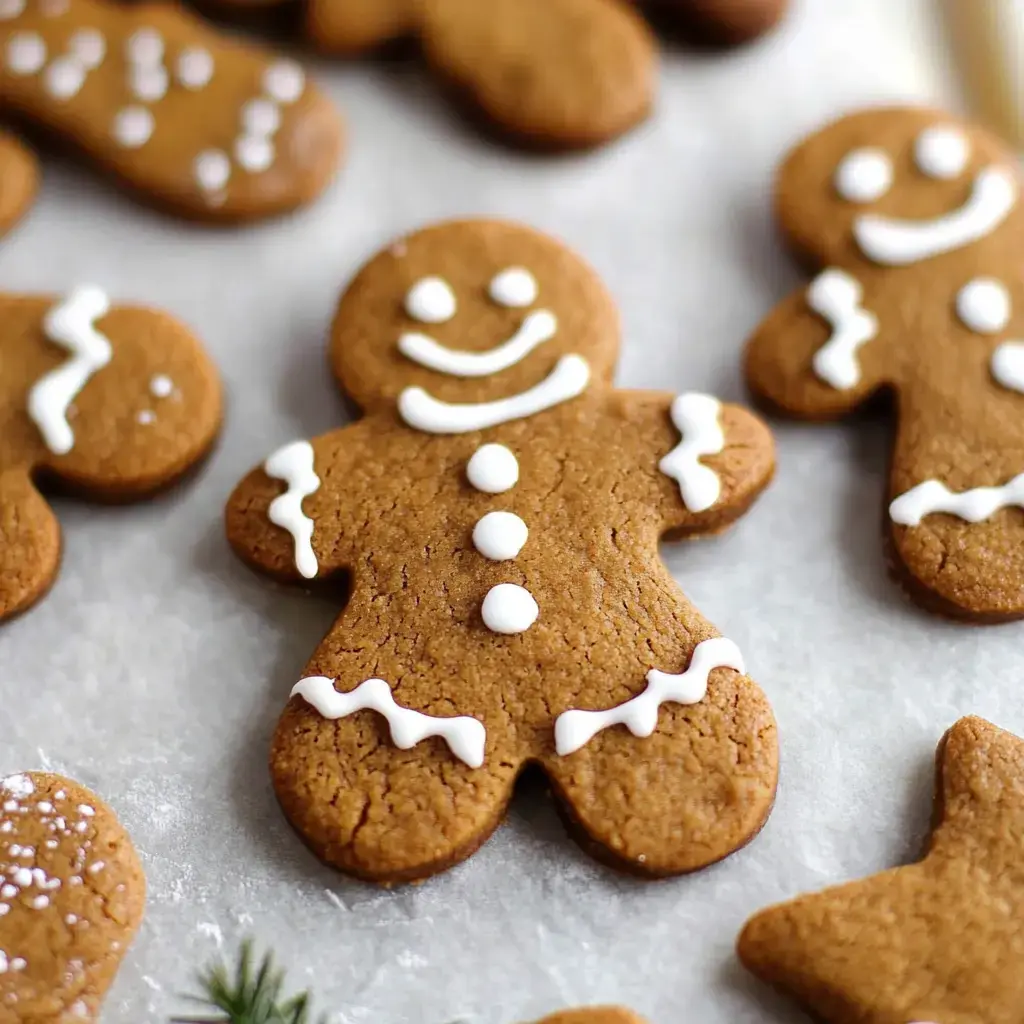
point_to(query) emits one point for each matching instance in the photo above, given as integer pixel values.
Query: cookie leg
(695, 791)
(29, 544)
(192, 121)
(19, 181)
(377, 812)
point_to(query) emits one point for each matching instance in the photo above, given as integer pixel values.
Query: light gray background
(156, 669)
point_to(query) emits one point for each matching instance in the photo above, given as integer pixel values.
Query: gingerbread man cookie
(594, 1015)
(498, 511)
(113, 402)
(935, 941)
(72, 895)
(918, 220)
(19, 181)
(202, 125)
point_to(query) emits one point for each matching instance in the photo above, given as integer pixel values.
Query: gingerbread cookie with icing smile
(918, 221)
(497, 512)
(72, 895)
(191, 121)
(112, 402)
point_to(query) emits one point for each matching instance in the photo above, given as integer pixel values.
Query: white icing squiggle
(422, 411)
(973, 506)
(466, 737)
(574, 729)
(895, 242)
(294, 465)
(696, 418)
(1008, 365)
(835, 295)
(536, 328)
(69, 325)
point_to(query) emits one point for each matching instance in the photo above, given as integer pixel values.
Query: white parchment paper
(156, 669)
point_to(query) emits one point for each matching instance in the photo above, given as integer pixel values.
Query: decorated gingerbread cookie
(189, 120)
(112, 402)
(933, 941)
(19, 181)
(497, 512)
(594, 1015)
(916, 221)
(72, 895)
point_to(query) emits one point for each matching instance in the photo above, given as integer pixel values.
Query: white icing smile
(422, 411)
(536, 328)
(896, 242)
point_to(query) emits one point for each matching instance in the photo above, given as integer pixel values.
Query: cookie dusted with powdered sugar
(72, 895)
(498, 510)
(111, 402)
(190, 120)
(915, 222)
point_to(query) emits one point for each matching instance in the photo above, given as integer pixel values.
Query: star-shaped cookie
(941, 940)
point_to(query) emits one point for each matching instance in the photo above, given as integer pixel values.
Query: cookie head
(472, 312)
(895, 187)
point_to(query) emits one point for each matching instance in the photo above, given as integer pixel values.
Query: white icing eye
(431, 301)
(942, 152)
(864, 175)
(983, 305)
(515, 287)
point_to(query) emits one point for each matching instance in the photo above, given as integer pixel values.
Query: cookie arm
(29, 544)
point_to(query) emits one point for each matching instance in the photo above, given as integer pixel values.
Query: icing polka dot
(146, 416)
(194, 67)
(261, 117)
(864, 175)
(212, 169)
(431, 301)
(64, 77)
(284, 81)
(11, 9)
(89, 46)
(942, 152)
(983, 305)
(254, 153)
(515, 287)
(133, 126)
(493, 469)
(149, 83)
(161, 386)
(26, 53)
(509, 609)
(145, 46)
(500, 536)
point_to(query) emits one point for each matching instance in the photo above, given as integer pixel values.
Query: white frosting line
(493, 469)
(942, 152)
(422, 411)
(574, 729)
(974, 505)
(835, 295)
(466, 737)
(509, 609)
(696, 418)
(984, 305)
(294, 465)
(535, 329)
(864, 175)
(69, 325)
(500, 536)
(1008, 365)
(514, 287)
(895, 242)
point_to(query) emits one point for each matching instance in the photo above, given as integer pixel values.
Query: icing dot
(864, 175)
(26, 53)
(284, 81)
(500, 536)
(145, 417)
(983, 305)
(64, 77)
(261, 117)
(1007, 365)
(149, 83)
(18, 785)
(431, 301)
(493, 469)
(11, 9)
(212, 169)
(509, 608)
(89, 46)
(194, 67)
(133, 126)
(514, 287)
(942, 152)
(161, 386)
(254, 153)
(145, 46)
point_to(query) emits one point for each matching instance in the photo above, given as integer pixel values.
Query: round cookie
(72, 895)
(19, 181)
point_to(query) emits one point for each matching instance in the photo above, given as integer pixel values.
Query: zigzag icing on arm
(69, 325)
(294, 465)
(466, 737)
(696, 418)
(835, 296)
(574, 729)
(975, 505)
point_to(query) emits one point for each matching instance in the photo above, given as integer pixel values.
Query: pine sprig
(249, 997)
